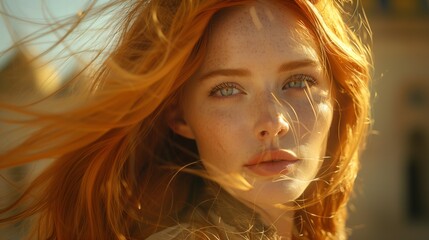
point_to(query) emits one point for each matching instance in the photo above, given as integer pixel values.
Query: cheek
(323, 121)
(310, 119)
(216, 133)
(314, 141)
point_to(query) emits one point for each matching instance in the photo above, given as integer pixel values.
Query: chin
(271, 194)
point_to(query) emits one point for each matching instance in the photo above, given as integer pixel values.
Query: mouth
(272, 163)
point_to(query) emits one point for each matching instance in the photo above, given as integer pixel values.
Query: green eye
(225, 90)
(228, 91)
(299, 81)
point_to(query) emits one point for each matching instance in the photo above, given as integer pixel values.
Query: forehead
(256, 29)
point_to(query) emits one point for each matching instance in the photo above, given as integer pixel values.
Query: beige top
(186, 231)
(218, 219)
(169, 233)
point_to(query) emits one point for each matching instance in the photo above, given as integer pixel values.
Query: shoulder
(170, 233)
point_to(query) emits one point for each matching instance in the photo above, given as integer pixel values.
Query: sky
(31, 16)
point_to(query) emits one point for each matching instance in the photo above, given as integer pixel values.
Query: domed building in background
(24, 79)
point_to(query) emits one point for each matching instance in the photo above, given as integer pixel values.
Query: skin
(261, 87)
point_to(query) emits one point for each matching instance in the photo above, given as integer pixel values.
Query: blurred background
(391, 199)
(392, 189)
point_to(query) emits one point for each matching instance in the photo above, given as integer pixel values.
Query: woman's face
(259, 107)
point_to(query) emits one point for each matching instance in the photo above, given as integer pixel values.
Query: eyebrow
(298, 64)
(239, 72)
(226, 73)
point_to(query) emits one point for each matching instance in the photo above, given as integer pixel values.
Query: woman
(209, 120)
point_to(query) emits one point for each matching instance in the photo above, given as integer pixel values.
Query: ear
(177, 123)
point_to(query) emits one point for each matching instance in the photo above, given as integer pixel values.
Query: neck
(282, 220)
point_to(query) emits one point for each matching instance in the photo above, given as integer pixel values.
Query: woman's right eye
(225, 89)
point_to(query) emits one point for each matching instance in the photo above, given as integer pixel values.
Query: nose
(271, 122)
(274, 127)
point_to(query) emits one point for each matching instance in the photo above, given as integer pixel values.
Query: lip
(272, 162)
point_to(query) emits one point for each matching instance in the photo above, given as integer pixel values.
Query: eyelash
(302, 79)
